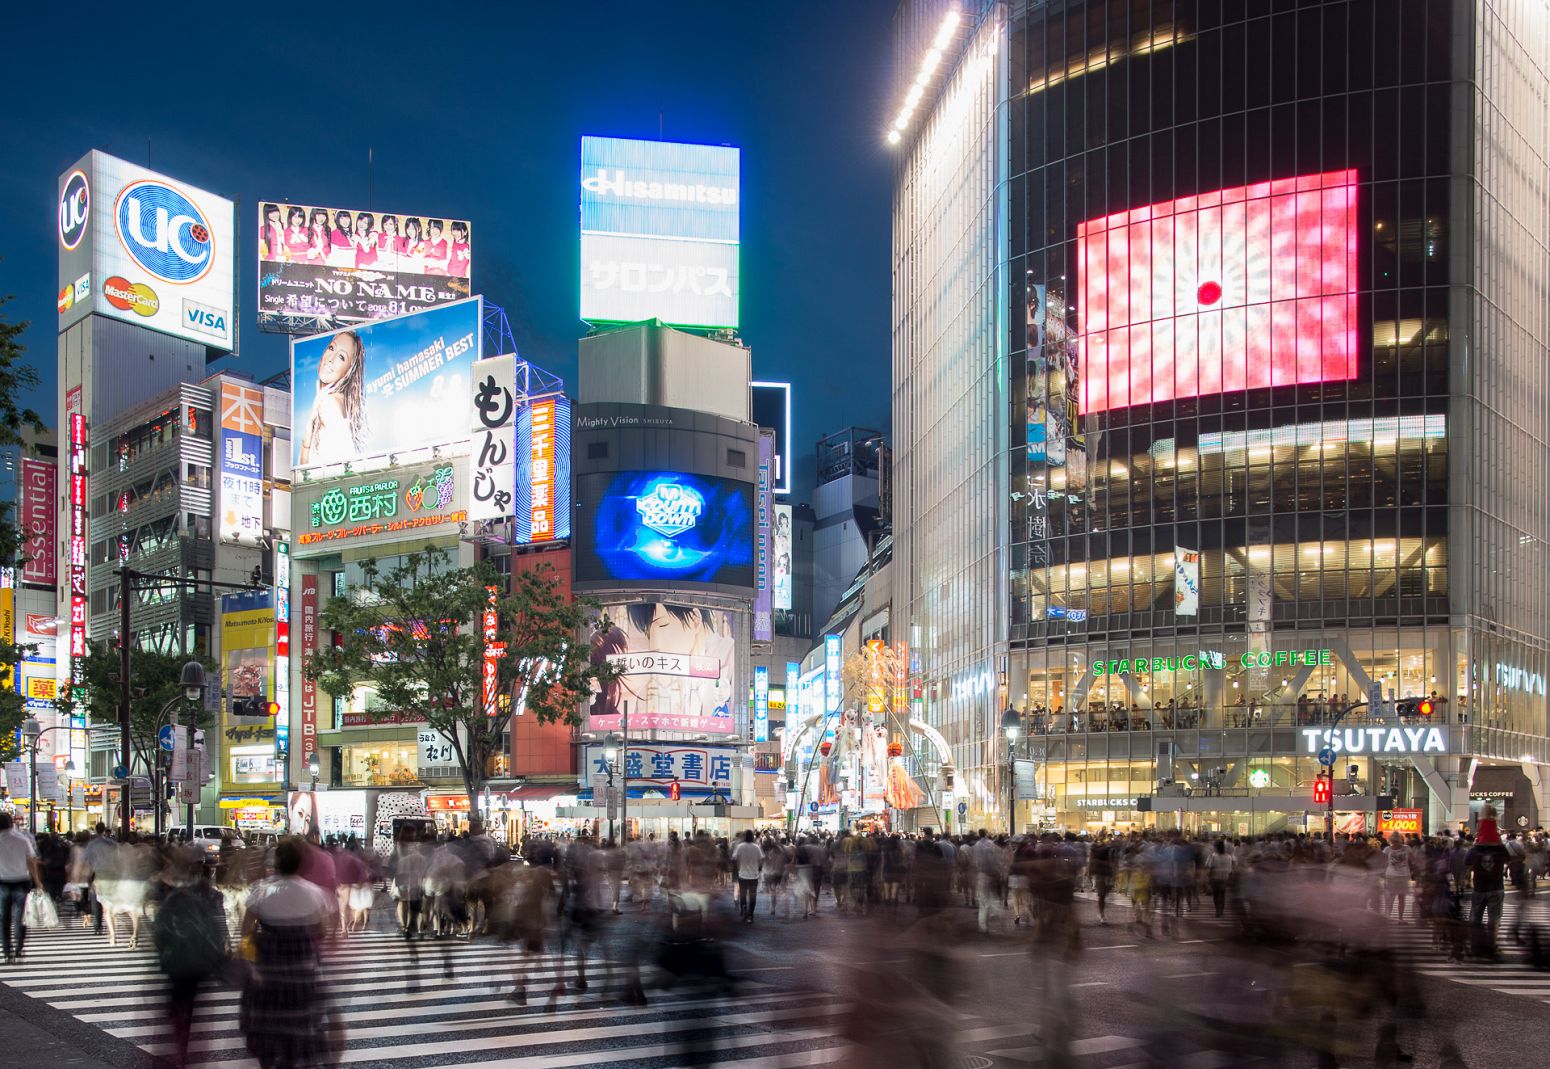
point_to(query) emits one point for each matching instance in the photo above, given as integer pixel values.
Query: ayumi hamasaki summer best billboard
(385, 387)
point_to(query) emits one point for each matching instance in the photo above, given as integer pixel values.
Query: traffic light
(1321, 791)
(1408, 708)
(254, 706)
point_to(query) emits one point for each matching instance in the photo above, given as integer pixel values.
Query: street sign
(963, 810)
(1327, 756)
(120, 771)
(812, 807)
(166, 736)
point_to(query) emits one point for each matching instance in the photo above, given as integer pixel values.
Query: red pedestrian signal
(1321, 792)
(672, 790)
(1425, 707)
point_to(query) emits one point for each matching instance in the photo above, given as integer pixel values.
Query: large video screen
(664, 527)
(352, 266)
(1236, 289)
(676, 665)
(385, 387)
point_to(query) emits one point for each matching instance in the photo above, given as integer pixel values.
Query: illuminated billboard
(677, 666)
(241, 504)
(664, 526)
(352, 266)
(144, 248)
(659, 232)
(543, 471)
(780, 559)
(383, 506)
(385, 387)
(1236, 289)
(772, 409)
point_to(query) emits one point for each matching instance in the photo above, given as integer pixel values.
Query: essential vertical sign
(761, 703)
(39, 487)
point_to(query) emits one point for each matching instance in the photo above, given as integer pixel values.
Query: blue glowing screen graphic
(665, 526)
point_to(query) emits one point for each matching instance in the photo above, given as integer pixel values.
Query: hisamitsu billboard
(660, 232)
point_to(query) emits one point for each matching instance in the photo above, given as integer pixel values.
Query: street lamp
(32, 731)
(610, 756)
(193, 684)
(1011, 726)
(314, 767)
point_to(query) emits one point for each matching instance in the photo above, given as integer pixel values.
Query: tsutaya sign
(1214, 661)
(1401, 740)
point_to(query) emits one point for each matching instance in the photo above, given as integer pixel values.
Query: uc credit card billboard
(147, 249)
(664, 527)
(385, 387)
(660, 232)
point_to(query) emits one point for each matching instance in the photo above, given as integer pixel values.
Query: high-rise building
(848, 513)
(1220, 388)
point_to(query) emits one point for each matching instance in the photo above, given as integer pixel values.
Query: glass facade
(1278, 279)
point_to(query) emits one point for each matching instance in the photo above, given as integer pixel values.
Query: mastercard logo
(134, 297)
(66, 299)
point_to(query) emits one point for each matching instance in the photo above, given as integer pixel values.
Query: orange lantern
(824, 747)
(896, 749)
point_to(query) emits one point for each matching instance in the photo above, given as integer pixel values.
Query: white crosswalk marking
(466, 1021)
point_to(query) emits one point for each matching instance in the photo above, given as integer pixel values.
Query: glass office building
(1269, 295)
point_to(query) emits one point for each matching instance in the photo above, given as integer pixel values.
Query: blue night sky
(479, 116)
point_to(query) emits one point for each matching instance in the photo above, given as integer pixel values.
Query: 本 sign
(492, 441)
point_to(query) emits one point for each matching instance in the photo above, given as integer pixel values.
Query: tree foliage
(16, 376)
(414, 633)
(155, 682)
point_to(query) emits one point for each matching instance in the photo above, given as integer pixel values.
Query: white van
(210, 837)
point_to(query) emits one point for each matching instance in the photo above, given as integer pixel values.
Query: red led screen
(1232, 290)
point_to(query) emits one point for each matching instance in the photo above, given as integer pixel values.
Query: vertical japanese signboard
(241, 464)
(761, 703)
(831, 673)
(494, 650)
(78, 455)
(39, 487)
(282, 653)
(492, 446)
(309, 645)
(763, 623)
(543, 471)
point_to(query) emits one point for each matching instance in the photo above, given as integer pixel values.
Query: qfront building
(1219, 406)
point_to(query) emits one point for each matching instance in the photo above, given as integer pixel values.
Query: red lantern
(825, 746)
(896, 749)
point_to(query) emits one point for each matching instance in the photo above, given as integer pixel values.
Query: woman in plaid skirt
(284, 1011)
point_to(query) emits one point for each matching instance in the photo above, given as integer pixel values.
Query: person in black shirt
(1488, 867)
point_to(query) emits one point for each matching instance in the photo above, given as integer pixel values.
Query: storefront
(253, 814)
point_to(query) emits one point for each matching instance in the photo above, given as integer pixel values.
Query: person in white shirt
(19, 874)
(747, 860)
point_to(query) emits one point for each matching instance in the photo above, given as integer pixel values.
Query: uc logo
(164, 232)
(74, 207)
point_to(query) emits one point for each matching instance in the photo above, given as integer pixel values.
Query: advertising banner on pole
(309, 645)
(761, 703)
(345, 266)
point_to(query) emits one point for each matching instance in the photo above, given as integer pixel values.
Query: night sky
(479, 116)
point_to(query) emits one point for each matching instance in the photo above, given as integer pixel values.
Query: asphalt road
(833, 990)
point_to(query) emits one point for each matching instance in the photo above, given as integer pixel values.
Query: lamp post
(193, 684)
(1011, 726)
(610, 755)
(70, 795)
(314, 768)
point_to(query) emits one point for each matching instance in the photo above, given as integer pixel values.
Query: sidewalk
(49, 1045)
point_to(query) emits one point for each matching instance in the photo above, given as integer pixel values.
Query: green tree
(414, 633)
(155, 682)
(16, 377)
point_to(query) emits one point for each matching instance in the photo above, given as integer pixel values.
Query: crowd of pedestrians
(262, 918)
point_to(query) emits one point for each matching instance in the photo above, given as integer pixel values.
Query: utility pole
(624, 773)
(126, 809)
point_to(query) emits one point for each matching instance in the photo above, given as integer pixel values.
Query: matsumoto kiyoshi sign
(1211, 660)
(1396, 740)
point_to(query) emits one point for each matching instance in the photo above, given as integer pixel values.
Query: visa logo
(203, 318)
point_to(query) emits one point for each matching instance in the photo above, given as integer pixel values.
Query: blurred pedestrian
(747, 859)
(19, 875)
(191, 941)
